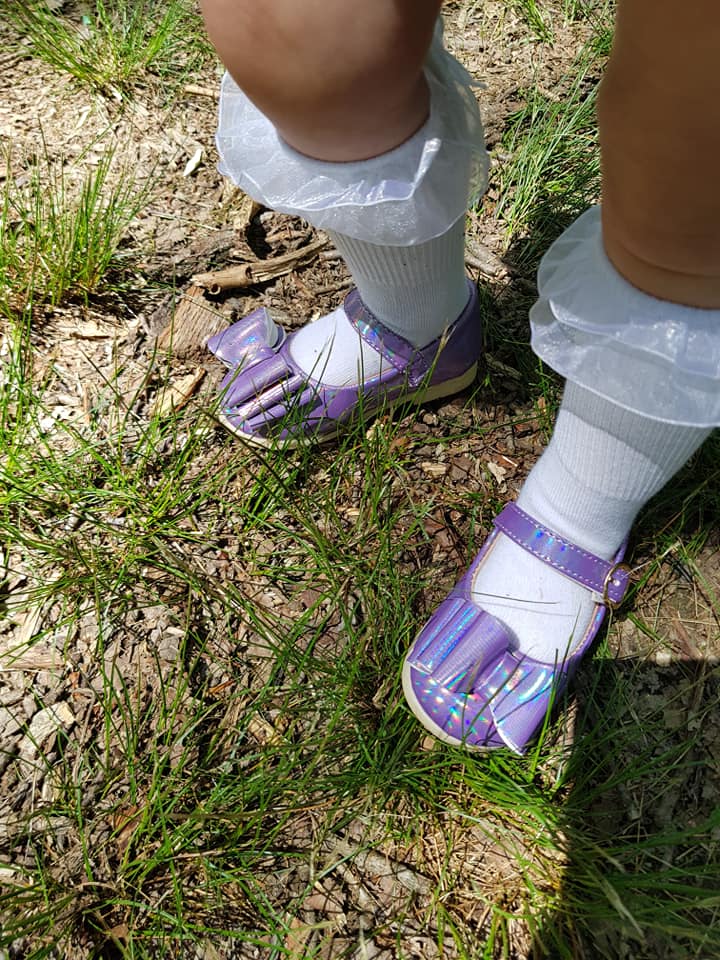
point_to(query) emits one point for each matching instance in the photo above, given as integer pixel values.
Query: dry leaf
(126, 821)
(120, 931)
(497, 471)
(297, 938)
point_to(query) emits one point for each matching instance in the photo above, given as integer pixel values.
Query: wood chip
(375, 863)
(91, 330)
(497, 366)
(43, 725)
(30, 624)
(247, 208)
(263, 731)
(193, 163)
(433, 469)
(38, 656)
(194, 89)
(175, 395)
(482, 258)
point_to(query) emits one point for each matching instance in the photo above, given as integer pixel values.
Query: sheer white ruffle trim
(406, 196)
(650, 356)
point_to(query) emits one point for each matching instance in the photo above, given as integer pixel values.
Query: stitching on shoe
(572, 574)
(356, 311)
(603, 565)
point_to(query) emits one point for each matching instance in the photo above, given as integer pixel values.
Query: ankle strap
(395, 349)
(609, 579)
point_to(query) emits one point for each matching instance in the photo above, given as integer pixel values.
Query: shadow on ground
(642, 821)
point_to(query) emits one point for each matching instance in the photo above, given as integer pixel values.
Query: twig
(334, 287)
(259, 271)
(482, 258)
(194, 88)
(376, 863)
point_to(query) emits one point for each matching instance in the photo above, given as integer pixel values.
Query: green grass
(536, 18)
(214, 758)
(542, 16)
(114, 44)
(61, 226)
(229, 625)
(550, 171)
(553, 172)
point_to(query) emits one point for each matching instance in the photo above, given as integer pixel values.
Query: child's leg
(344, 81)
(643, 387)
(601, 467)
(416, 291)
(661, 216)
(659, 118)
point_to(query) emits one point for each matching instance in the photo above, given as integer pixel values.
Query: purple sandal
(461, 677)
(267, 399)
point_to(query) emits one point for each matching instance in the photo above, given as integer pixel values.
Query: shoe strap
(403, 356)
(608, 579)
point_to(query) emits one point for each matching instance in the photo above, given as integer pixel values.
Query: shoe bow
(472, 684)
(256, 337)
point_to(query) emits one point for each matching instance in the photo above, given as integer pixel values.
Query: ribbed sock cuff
(601, 467)
(416, 291)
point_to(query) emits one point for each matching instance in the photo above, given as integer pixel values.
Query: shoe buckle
(610, 580)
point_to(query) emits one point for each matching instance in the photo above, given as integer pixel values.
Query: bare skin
(659, 117)
(341, 80)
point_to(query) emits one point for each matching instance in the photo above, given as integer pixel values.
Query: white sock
(602, 465)
(415, 291)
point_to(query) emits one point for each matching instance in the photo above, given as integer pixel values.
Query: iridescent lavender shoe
(256, 337)
(267, 399)
(461, 677)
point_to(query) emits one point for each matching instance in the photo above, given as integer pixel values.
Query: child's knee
(308, 53)
(339, 79)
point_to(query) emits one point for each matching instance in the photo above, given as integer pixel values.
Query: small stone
(433, 469)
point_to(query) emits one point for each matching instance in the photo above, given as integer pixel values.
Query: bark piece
(193, 321)
(175, 395)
